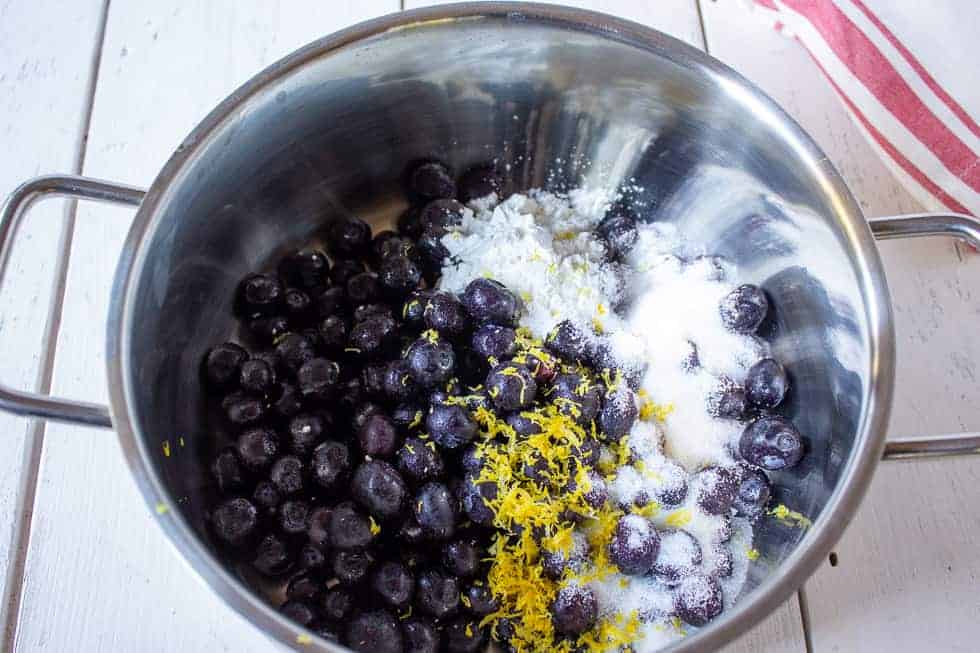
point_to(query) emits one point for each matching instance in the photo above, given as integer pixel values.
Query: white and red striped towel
(907, 72)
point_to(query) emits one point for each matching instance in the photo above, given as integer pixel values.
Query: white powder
(541, 246)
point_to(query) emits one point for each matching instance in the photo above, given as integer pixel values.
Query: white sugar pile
(658, 311)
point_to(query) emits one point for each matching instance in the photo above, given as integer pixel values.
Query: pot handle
(955, 225)
(32, 404)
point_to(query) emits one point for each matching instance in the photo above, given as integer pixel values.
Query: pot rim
(869, 442)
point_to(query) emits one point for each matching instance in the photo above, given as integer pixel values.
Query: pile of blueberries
(326, 483)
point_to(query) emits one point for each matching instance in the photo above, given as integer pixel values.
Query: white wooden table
(108, 90)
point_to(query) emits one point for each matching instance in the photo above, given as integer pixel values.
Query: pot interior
(556, 104)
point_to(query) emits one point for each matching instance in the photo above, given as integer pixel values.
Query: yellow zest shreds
(790, 517)
(469, 630)
(352, 350)
(431, 335)
(516, 578)
(535, 256)
(678, 626)
(375, 529)
(408, 613)
(510, 370)
(601, 309)
(652, 410)
(180, 441)
(649, 511)
(679, 518)
(303, 639)
(278, 339)
(612, 633)
(162, 508)
(752, 554)
(465, 600)
(410, 448)
(430, 444)
(526, 296)
(552, 268)
(166, 448)
(565, 235)
(409, 306)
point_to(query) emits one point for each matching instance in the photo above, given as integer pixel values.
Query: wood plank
(679, 18)
(46, 54)
(906, 568)
(782, 631)
(100, 575)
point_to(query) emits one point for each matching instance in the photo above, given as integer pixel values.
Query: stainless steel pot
(560, 96)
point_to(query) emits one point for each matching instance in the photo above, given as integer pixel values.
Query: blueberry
(259, 294)
(498, 342)
(418, 461)
(299, 611)
(464, 636)
(298, 306)
(680, 555)
(234, 520)
(287, 474)
(227, 471)
(574, 610)
(399, 275)
(380, 247)
(330, 463)
(479, 600)
(619, 234)
(363, 288)
(318, 527)
(272, 556)
(348, 528)
(462, 558)
(439, 216)
(311, 558)
(511, 387)
(728, 401)
(437, 593)
(350, 567)
(431, 361)
(450, 425)
(697, 599)
(576, 396)
(434, 510)
(474, 496)
(618, 413)
(671, 488)
(303, 587)
(304, 432)
(487, 300)
(691, 360)
(432, 254)
(256, 376)
(333, 333)
(377, 437)
(430, 181)
(723, 563)
(266, 496)
(364, 311)
(478, 182)
(772, 443)
(268, 329)
(363, 412)
(292, 516)
(374, 336)
(634, 545)
(523, 426)
(242, 410)
(393, 583)
(406, 417)
(589, 451)
(420, 636)
(379, 488)
(306, 269)
(348, 237)
(257, 447)
(445, 314)
(337, 604)
(554, 563)
(331, 302)
(716, 487)
(743, 309)
(470, 459)
(413, 310)
(294, 350)
(398, 383)
(374, 632)
(570, 342)
(409, 223)
(222, 365)
(752, 496)
(597, 493)
(766, 383)
(344, 269)
(317, 379)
